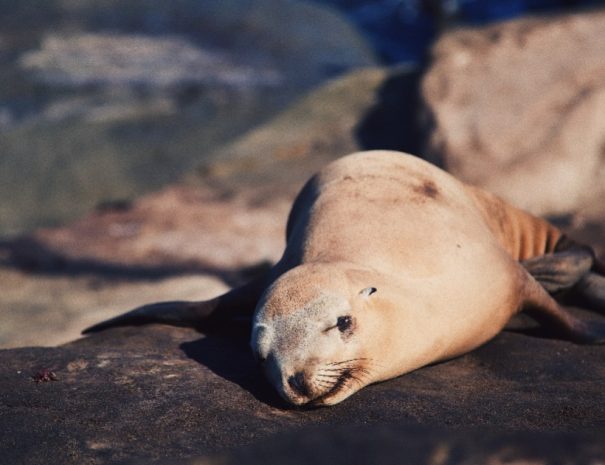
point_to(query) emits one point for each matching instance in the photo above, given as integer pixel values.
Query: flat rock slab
(397, 443)
(169, 394)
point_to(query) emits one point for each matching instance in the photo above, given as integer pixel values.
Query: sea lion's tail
(237, 305)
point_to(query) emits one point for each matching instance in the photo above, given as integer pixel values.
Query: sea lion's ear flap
(367, 292)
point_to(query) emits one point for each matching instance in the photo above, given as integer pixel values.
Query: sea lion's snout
(295, 383)
(292, 385)
(298, 384)
(312, 386)
(306, 340)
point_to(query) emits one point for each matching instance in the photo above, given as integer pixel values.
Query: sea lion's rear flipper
(571, 267)
(546, 311)
(590, 291)
(560, 271)
(232, 307)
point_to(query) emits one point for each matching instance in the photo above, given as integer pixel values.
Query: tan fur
(522, 235)
(443, 257)
(392, 264)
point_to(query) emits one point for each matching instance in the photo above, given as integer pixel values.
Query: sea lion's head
(315, 333)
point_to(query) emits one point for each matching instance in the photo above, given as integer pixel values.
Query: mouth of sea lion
(329, 384)
(338, 377)
(320, 401)
(341, 383)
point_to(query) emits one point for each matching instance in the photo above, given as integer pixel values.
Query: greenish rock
(103, 101)
(372, 108)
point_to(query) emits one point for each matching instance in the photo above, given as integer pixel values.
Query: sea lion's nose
(298, 384)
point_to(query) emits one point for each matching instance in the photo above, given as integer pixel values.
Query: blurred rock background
(101, 101)
(143, 143)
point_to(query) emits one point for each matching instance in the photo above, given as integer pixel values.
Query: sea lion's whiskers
(347, 361)
(321, 375)
(324, 384)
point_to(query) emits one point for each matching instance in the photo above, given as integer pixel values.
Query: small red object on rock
(45, 375)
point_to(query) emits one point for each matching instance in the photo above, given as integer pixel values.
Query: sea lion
(392, 264)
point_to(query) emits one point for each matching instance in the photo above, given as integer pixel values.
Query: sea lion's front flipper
(547, 311)
(560, 271)
(235, 306)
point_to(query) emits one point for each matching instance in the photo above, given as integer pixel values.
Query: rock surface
(396, 443)
(519, 109)
(161, 393)
(46, 309)
(177, 230)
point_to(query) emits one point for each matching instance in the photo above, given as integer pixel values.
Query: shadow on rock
(231, 359)
(395, 443)
(31, 255)
(396, 121)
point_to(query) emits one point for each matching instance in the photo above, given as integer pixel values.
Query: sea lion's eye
(343, 323)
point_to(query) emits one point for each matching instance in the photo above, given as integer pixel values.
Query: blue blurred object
(400, 31)
(481, 11)
(544, 4)
(403, 30)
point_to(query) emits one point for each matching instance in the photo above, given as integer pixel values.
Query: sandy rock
(178, 244)
(179, 229)
(47, 310)
(169, 394)
(519, 109)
